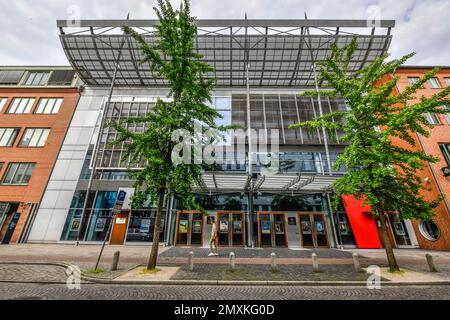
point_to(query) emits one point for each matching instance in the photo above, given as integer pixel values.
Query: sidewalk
(178, 255)
(252, 265)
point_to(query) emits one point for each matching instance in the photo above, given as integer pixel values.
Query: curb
(94, 280)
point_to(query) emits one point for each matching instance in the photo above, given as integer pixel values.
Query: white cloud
(30, 36)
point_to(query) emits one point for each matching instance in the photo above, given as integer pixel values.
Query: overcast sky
(29, 35)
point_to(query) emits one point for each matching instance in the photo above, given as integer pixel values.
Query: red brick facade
(432, 176)
(27, 197)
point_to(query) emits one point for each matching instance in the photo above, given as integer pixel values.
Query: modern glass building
(261, 69)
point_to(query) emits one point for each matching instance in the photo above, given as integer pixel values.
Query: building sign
(145, 226)
(183, 228)
(279, 227)
(75, 225)
(223, 226)
(197, 227)
(292, 221)
(237, 227)
(306, 227)
(100, 225)
(265, 227)
(121, 221)
(320, 227)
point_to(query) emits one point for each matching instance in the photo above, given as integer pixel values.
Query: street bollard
(191, 261)
(115, 262)
(315, 260)
(232, 261)
(356, 262)
(273, 263)
(430, 262)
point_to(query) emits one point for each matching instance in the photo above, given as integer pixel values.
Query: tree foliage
(170, 56)
(379, 170)
(173, 58)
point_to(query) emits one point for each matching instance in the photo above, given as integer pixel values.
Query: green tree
(171, 57)
(379, 171)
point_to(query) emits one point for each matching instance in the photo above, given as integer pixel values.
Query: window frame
(445, 149)
(447, 81)
(411, 82)
(429, 115)
(20, 166)
(3, 101)
(56, 105)
(11, 143)
(34, 73)
(429, 81)
(29, 105)
(44, 130)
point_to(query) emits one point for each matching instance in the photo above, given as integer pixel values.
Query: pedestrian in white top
(214, 241)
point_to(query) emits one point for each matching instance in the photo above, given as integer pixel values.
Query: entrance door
(272, 229)
(313, 230)
(119, 229)
(189, 228)
(231, 228)
(11, 228)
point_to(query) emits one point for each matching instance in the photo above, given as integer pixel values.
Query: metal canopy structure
(280, 52)
(221, 182)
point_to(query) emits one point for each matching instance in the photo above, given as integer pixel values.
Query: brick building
(36, 107)
(436, 234)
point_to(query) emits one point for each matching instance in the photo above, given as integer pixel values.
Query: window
(413, 80)
(18, 173)
(1, 166)
(10, 77)
(447, 81)
(434, 83)
(429, 230)
(2, 103)
(8, 136)
(431, 118)
(34, 137)
(445, 148)
(21, 105)
(37, 78)
(447, 115)
(49, 106)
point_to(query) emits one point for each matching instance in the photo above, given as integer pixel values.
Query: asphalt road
(32, 291)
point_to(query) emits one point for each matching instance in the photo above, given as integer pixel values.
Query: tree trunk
(393, 266)
(155, 246)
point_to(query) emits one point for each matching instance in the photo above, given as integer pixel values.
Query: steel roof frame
(228, 45)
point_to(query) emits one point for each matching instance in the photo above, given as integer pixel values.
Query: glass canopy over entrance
(279, 53)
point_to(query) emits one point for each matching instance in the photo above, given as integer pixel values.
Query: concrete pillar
(115, 262)
(232, 261)
(273, 262)
(315, 261)
(430, 261)
(356, 262)
(191, 261)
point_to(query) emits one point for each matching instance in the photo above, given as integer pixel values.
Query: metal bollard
(430, 261)
(315, 260)
(232, 261)
(273, 263)
(356, 262)
(115, 262)
(191, 261)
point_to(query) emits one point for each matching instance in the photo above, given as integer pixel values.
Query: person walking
(213, 251)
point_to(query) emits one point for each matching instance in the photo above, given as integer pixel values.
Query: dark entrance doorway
(313, 230)
(189, 230)
(272, 229)
(230, 227)
(9, 217)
